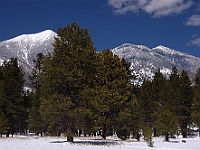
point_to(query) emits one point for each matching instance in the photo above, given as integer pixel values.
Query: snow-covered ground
(59, 143)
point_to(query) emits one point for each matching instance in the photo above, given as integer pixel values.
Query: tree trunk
(70, 136)
(70, 139)
(167, 137)
(184, 130)
(104, 132)
(184, 133)
(7, 133)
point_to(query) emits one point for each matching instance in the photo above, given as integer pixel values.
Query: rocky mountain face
(25, 48)
(145, 61)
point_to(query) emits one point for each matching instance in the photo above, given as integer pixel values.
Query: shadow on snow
(91, 142)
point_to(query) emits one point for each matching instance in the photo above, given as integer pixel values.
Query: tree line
(79, 90)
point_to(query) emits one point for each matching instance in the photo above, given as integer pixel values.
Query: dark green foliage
(13, 83)
(185, 102)
(165, 104)
(196, 100)
(112, 95)
(4, 123)
(35, 122)
(57, 113)
(14, 104)
(196, 106)
(145, 103)
(158, 91)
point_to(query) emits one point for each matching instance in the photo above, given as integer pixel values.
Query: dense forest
(77, 90)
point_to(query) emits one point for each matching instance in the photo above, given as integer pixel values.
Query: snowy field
(59, 143)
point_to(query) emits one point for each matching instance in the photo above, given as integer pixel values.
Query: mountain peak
(166, 50)
(40, 36)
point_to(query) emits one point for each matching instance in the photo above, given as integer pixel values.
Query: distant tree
(147, 132)
(196, 106)
(166, 123)
(183, 108)
(197, 77)
(196, 100)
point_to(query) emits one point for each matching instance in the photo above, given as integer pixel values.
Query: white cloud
(194, 20)
(196, 42)
(156, 8)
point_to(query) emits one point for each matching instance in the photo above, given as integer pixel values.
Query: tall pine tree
(112, 93)
(66, 73)
(184, 103)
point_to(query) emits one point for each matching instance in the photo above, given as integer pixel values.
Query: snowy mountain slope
(25, 47)
(145, 61)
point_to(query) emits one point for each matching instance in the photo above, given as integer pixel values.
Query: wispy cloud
(195, 42)
(194, 20)
(157, 8)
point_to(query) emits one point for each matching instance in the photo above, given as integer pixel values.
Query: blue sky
(171, 23)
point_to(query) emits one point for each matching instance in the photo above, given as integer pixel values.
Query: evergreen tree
(197, 77)
(147, 132)
(13, 83)
(4, 123)
(166, 123)
(145, 103)
(196, 100)
(181, 92)
(112, 94)
(196, 106)
(174, 83)
(185, 103)
(158, 85)
(35, 121)
(66, 73)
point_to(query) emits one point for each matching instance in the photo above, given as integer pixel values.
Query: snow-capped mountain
(145, 61)
(25, 48)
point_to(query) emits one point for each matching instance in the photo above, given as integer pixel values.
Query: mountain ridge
(144, 61)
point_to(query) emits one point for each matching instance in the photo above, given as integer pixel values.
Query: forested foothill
(79, 91)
